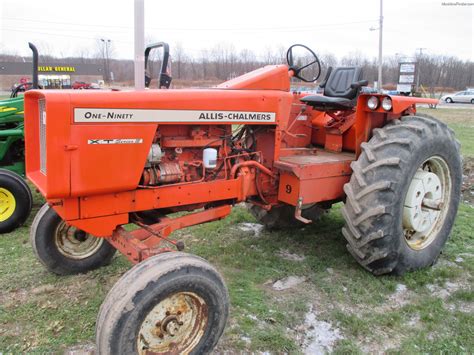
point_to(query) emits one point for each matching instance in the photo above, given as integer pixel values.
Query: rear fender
(368, 119)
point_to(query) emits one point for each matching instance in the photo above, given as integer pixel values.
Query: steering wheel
(297, 70)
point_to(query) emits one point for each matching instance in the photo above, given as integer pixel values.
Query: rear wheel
(403, 196)
(283, 217)
(173, 303)
(64, 249)
(16, 201)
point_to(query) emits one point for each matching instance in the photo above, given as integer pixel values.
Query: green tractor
(15, 195)
(16, 199)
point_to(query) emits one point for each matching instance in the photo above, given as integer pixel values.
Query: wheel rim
(7, 204)
(426, 203)
(175, 325)
(75, 243)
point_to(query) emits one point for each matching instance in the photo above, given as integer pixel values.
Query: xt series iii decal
(150, 115)
(116, 141)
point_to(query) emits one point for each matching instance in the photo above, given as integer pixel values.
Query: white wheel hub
(422, 202)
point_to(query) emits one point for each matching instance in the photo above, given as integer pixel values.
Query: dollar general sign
(56, 69)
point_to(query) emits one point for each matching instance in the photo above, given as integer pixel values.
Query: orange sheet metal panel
(270, 77)
(101, 226)
(367, 119)
(312, 190)
(297, 133)
(318, 166)
(315, 177)
(162, 197)
(77, 166)
(53, 180)
(68, 209)
(99, 215)
(98, 166)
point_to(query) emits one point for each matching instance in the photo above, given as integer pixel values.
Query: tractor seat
(341, 88)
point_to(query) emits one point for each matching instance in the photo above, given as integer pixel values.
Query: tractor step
(309, 165)
(315, 177)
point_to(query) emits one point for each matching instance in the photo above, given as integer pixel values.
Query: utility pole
(380, 29)
(106, 58)
(420, 51)
(139, 25)
(380, 46)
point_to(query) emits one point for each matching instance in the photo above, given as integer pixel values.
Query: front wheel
(403, 196)
(449, 100)
(64, 249)
(15, 201)
(173, 303)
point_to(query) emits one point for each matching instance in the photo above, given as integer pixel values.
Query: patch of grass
(455, 337)
(351, 323)
(345, 347)
(463, 295)
(339, 290)
(461, 121)
(465, 135)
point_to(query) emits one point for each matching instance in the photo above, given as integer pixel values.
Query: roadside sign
(406, 77)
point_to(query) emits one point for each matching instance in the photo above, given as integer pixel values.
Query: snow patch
(252, 317)
(285, 254)
(400, 288)
(254, 228)
(86, 349)
(288, 282)
(400, 297)
(245, 339)
(443, 292)
(320, 336)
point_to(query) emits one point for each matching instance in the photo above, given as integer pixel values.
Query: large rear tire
(66, 250)
(16, 201)
(173, 303)
(403, 196)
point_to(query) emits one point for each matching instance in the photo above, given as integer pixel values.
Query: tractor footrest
(319, 164)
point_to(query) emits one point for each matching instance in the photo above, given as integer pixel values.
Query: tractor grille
(42, 133)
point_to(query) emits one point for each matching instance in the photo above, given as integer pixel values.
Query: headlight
(387, 103)
(373, 102)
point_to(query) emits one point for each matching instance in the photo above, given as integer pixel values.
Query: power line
(62, 23)
(56, 34)
(277, 28)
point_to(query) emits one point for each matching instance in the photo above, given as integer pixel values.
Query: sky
(341, 27)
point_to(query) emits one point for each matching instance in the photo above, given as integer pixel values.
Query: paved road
(451, 106)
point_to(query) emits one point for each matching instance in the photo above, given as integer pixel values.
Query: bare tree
(224, 61)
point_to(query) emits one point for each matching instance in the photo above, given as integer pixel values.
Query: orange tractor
(104, 160)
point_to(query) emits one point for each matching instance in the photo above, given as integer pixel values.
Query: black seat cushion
(328, 103)
(339, 91)
(340, 80)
